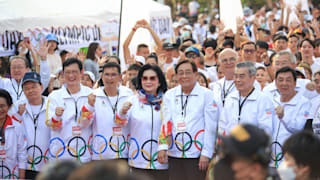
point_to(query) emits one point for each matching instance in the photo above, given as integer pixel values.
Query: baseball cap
(52, 37)
(167, 46)
(91, 75)
(192, 49)
(31, 76)
(300, 70)
(247, 141)
(140, 59)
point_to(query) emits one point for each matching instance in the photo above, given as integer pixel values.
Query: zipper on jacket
(151, 134)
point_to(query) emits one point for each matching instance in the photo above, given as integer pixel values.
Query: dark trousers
(153, 174)
(31, 174)
(185, 168)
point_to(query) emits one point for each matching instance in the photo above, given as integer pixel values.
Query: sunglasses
(151, 78)
(249, 50)
(191, 56)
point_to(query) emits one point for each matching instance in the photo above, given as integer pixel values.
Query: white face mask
(24, 52)
(286, 172)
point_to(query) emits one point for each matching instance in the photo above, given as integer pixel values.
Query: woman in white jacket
(143, 113)
(13, 146)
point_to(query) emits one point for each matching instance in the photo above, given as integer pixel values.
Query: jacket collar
(123, 92)
(65, 93)
(294, 101)
(253, 96)
(8, 122)
(43, 108)
(192, 93)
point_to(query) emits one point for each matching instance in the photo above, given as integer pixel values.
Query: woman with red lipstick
(144, 114)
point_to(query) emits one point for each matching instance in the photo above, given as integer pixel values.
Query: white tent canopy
(20, 15)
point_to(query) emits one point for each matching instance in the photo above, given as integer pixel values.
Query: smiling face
(285, 83)
(242, 79)
(18, 68)
(4, 108)
(186, 77)
(72, 75)
(317, 82)
(32, 90)
(86, 81)
(150, 81)
(227, 60)
(306, 50)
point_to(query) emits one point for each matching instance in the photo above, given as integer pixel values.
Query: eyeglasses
(231, 60)
(187, 73)
(249, 50)
(71, 72)
(191, 56)
(151, 78)
(112, 75)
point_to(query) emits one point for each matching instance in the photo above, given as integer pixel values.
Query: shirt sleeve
(22, 147)
(45, 73)
(166, 124)
(266, 114)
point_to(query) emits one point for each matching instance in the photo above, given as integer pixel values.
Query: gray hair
(227, 50)
(249, 65)
(292, 57)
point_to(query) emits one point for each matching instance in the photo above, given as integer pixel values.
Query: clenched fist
(21, 109)
(125, 108)
(92, 99)
(280, 111)
(59, 111)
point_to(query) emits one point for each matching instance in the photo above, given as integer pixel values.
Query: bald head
(228, 52)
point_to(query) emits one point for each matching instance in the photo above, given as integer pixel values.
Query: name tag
(117, 131)
(2, 152)
(76, 131)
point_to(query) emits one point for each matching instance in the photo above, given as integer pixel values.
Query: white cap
(183, 21)
(140, 59)
(176, 24)
(90, 74)
(188, 27)
(302, 71)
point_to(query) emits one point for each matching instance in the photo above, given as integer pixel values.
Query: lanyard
(35, 117)
(17, 91)
(241, 104)
(75, 105)
(184, 105)
(114, 108)
(225, 93)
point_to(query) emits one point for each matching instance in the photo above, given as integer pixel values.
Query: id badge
(180, 124)
(76, 131)
(117, 131)
(2, 152)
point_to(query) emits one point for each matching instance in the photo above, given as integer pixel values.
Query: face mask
(185, 34)
(24, 52)
(285, 172)
(263, 26)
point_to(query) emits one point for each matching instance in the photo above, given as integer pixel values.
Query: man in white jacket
(69, 115)
(247, 104)
(18, 67)
(31, 113)
(188, 132)
(292, 111)
(109, 140)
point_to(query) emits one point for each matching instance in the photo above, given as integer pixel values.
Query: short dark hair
(4, 94)
(71, 61)
(182, 48)
(308, 40)
(193, 65)
(112, 65)
(141, 46)
(304, 146)
(63, 52)
(247, 43)
(91, 54)
(293, 35)
(205, 78)
(317, 42)
(154, 56)
(262, 44)
(287, 69)
(190, 39)
(228, 42)
(115, 57)
(162, 80)
(210, 43)
(135, 67)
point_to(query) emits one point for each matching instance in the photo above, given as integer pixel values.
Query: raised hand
(43, 49)
(59, 111)
(21, 109)
(91, 99)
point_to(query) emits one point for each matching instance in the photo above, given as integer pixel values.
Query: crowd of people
(213, 104)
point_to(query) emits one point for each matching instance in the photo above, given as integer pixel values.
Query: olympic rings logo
(10, 175)
(186, 147)
(276, 157)
(37, 159)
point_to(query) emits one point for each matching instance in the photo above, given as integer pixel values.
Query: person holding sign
(13, 147)
(143, 113)
(109, 140)
(188, 131)
(69, 115)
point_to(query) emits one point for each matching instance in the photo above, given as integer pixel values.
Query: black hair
(134, 82)
(293, 35)
(304, 147)
(28, 62)
(162, 80)
(91, 54)
(262, 44)
(190, 39)
(287, 69)
(210, 43)
(135, 67)
(142, 46)
(281, 28)
(193, 65)
(310, 41)
(71, 61)
(115, 57)
(182, 47)
(277, 37)
(63, 52)
(272, 56)
(4, 94)
(228, 42)
(317, 42)
(154, 56)
(205, 79)
(212, 28)
(112, 65)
